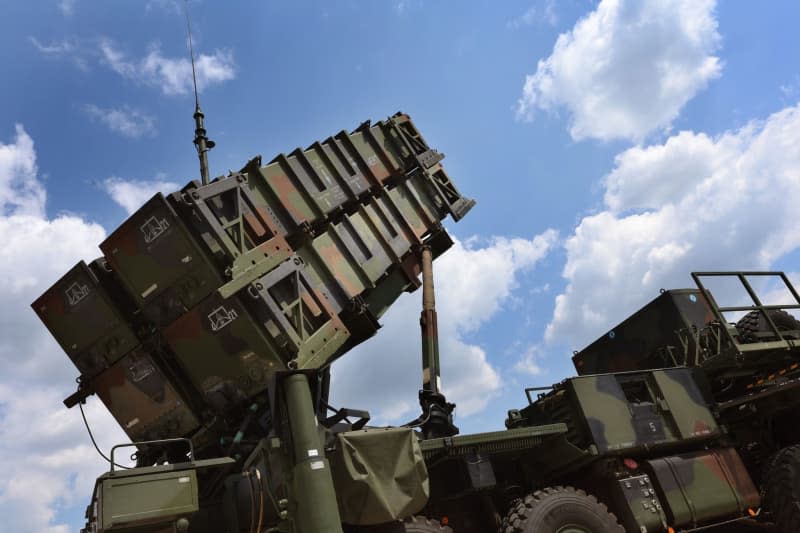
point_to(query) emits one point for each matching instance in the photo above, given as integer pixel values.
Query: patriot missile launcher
(212, 318)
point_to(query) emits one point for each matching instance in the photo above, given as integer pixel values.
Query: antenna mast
(201, 142)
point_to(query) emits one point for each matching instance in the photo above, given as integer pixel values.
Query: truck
(209, 325)
(683, 417)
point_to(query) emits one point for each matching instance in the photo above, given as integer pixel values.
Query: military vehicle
(209, 325)
(752, 366)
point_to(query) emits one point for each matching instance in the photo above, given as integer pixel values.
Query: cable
(80, 405)
(261, 500)
(249, 476)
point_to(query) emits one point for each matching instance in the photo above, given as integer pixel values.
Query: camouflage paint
(703, 486)
(83, 318)
(142, 400)
(223, 351)
(159, 263)
(642, 410)
(289, 263)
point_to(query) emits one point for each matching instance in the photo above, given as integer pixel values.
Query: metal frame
(758, 306)
(159, 441)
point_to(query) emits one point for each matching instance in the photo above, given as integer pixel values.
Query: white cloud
(691, 203)
(20, 192)
(67, 7)
(545, 12)
(131, 194)
(529, 362)
(171, 75)
(58, 48)
(67, 47)
(45, 455)
(627, 68)
(123, 120)
(472, 284)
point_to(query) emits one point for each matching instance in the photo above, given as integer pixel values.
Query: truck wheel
(782, 489)
(754, 322)
(560, 510)
(414, 524)
(420, 524)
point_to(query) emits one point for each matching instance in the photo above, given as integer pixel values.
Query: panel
(159, 263)
(82, 317)
(143, 400)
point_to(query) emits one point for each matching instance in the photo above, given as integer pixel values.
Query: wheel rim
(572, 528)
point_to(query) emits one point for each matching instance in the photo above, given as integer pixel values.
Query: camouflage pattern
(629, 412)
(287, 265)
(82, 316)
(637, 411)
(156, 259)
(142, 400)
(700, 486)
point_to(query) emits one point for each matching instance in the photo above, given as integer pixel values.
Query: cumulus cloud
(171, 75)
(20, 192)
(124, 120)
(627, 68)
(545, 12)
(692, 203)
(131, 194)
(473, 283)
(45, 456)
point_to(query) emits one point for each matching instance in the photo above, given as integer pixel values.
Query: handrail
(159, 441)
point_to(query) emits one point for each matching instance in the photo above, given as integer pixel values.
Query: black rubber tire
(553, 508)
(754, 322)
(421, 524)
(782, 489)
(413, 524)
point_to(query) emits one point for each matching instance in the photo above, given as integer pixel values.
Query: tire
(754, 322)
(420, 524)
(782, 489)
(558, 510)
(414, 524)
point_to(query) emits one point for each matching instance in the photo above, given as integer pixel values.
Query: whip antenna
(201, 142)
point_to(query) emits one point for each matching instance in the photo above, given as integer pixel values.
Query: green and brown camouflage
(698, 487)
(142, 399)
(86, 320)
(688, 327)
(309, 186)
(629, 412)
(160, 264)
(285, 266)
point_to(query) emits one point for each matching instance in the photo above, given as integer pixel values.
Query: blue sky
(612, 148)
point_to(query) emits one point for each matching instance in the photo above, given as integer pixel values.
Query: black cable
(80, 405)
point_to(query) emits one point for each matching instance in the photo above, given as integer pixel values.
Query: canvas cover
(379, 475)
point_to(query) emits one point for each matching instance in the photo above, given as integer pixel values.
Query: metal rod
(429, 327)
(315, 507)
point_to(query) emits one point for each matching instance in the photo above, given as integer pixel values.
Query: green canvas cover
(379, 475)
